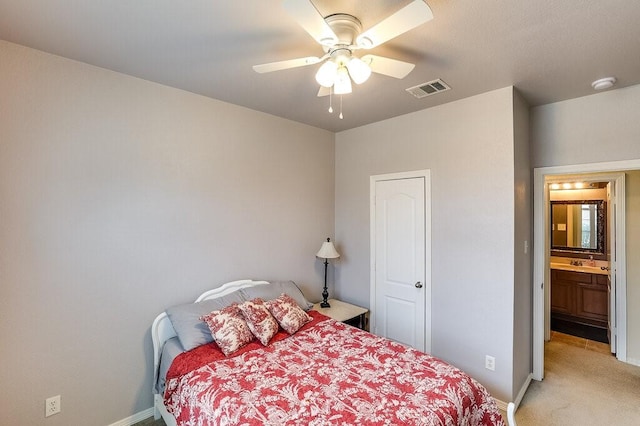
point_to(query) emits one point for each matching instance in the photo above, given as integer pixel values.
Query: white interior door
(401, 284)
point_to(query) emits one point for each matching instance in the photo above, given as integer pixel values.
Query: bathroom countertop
(575, 268)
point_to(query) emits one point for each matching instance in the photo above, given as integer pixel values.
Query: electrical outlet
(52, 406)
(490, 363)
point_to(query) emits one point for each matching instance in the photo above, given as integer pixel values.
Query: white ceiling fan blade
(283, 65)
(412, 15)
(388, 66)
(311, 20)
(324, 91)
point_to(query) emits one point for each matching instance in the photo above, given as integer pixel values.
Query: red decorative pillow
(260, 321)
(286, 311)
(228, 328)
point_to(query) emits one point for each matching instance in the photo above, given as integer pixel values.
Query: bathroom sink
(575, 268)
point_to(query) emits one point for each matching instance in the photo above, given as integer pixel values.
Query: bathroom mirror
(578, 227)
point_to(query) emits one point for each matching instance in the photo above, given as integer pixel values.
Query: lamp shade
(343, 82)
(328, 251)
(327, 74)
(358, 70)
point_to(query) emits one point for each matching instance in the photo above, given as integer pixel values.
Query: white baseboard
(523, 389)
(633, 361)
(503, 405)
(138, 417)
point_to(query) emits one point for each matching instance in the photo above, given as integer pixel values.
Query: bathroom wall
(577, 194)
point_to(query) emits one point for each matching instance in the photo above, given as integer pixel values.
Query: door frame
(426, 175)
(541, 253)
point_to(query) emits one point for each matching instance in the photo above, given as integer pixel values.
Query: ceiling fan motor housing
(346, 27)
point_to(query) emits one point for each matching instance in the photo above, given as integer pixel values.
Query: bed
(324, 373)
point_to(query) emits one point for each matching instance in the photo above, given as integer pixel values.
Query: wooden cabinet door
(592, 301)
(580, 297)
(562, 297)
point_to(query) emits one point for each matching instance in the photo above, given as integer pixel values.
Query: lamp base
(325, 291)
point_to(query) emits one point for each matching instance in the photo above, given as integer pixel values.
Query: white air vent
(429, 88)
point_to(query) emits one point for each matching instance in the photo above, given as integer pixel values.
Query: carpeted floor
(151, 422)
(584, 385)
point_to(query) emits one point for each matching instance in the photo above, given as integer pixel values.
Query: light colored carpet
(582, 386)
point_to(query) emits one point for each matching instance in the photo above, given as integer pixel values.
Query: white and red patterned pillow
(286, 311)
(228, 328)
(260, 321)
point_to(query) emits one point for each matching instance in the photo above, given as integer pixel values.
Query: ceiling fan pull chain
(341, 117)
(330, 98)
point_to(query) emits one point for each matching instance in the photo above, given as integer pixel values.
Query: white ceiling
(551, 50)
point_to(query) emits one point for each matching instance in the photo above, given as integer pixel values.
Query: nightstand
(345, 312)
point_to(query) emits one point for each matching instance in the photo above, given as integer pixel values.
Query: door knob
(418, 284)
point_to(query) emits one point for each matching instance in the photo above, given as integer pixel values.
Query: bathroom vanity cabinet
(580, 297)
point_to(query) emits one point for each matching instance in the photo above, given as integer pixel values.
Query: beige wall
(120, 197)
(592, 129)
(523, 219)
(469, 147)
(632, 185)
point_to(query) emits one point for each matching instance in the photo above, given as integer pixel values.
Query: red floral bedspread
(328, 373)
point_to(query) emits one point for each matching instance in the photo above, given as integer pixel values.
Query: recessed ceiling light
(604, 83)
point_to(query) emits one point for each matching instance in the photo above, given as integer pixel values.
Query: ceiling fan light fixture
(327, 74)
(358, 70)
(340, 35)
(342, 83)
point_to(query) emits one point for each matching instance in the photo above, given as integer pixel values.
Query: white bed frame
(511, 414)
(162, 330)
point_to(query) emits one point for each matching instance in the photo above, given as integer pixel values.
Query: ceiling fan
(340, 35)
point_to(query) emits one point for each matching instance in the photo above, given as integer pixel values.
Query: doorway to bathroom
(607, 172)
(582, 274)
